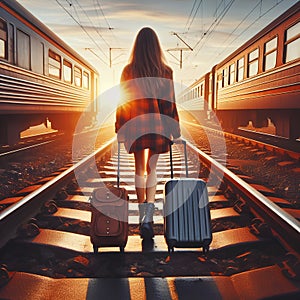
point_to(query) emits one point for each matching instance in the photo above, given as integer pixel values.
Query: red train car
(195, 98)
(41, 77)
(260, 80)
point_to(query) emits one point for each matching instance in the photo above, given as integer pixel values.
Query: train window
(220, 80)
(3, 39)
(23, 49)
(67, 71)
(253, 62)
(37, 56)
(54, 64)
(201, 92)
(231, 74)
(86, 80)
(270, 53)
(225, 78)
(77, 76)
(240, 69)
(292, 43)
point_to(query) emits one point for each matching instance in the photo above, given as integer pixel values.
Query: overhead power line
(98, 7)
(84, 29)
(180, 49)
(214, 24)
(254, 21)
(95, 27)
(195, 13)
(188, 20)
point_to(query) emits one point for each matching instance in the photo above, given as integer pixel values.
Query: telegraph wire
(83, 28)
(97, 30)
(195, 1)
(214, 24)
(98, 7)
(260, 16)
(195, 13)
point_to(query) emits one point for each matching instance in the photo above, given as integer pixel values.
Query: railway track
(25, 164)
(277, 168)
(272, 144)
(277, 141)
(252, 238)
(28, 143)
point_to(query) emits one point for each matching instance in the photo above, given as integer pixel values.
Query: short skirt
(155, 142)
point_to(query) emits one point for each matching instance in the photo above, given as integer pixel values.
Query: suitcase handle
(118, 174)
(185, 157)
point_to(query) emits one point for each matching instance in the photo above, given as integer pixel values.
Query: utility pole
(110, 55)
(189, 48)
(180, 57)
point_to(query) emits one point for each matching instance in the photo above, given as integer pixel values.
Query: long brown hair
(147, 58)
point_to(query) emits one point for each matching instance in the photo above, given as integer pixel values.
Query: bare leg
(146, 228)
(139, 158)
(151, 180)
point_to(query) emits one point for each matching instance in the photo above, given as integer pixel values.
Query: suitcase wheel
(122, 249)
(170, 249)
(205, 249)
(95, 249)
(4, 275)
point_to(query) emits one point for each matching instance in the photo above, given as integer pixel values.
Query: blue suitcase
(187, 221)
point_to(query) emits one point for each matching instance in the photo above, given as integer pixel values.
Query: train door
(95, 94)
(211, 92)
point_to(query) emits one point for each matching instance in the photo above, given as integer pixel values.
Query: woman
(147, 118)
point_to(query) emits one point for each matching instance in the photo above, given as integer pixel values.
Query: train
(258, 82)
(42, 79)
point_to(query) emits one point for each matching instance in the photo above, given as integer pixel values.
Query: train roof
(15, 6)
(288, 13)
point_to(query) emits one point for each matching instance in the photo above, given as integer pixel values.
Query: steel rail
(265, 146)
(25, 148)
(260, 144)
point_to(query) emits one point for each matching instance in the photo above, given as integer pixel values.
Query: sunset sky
(212, 28)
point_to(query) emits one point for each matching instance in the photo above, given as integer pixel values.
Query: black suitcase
(187, 221)
(109, 220)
